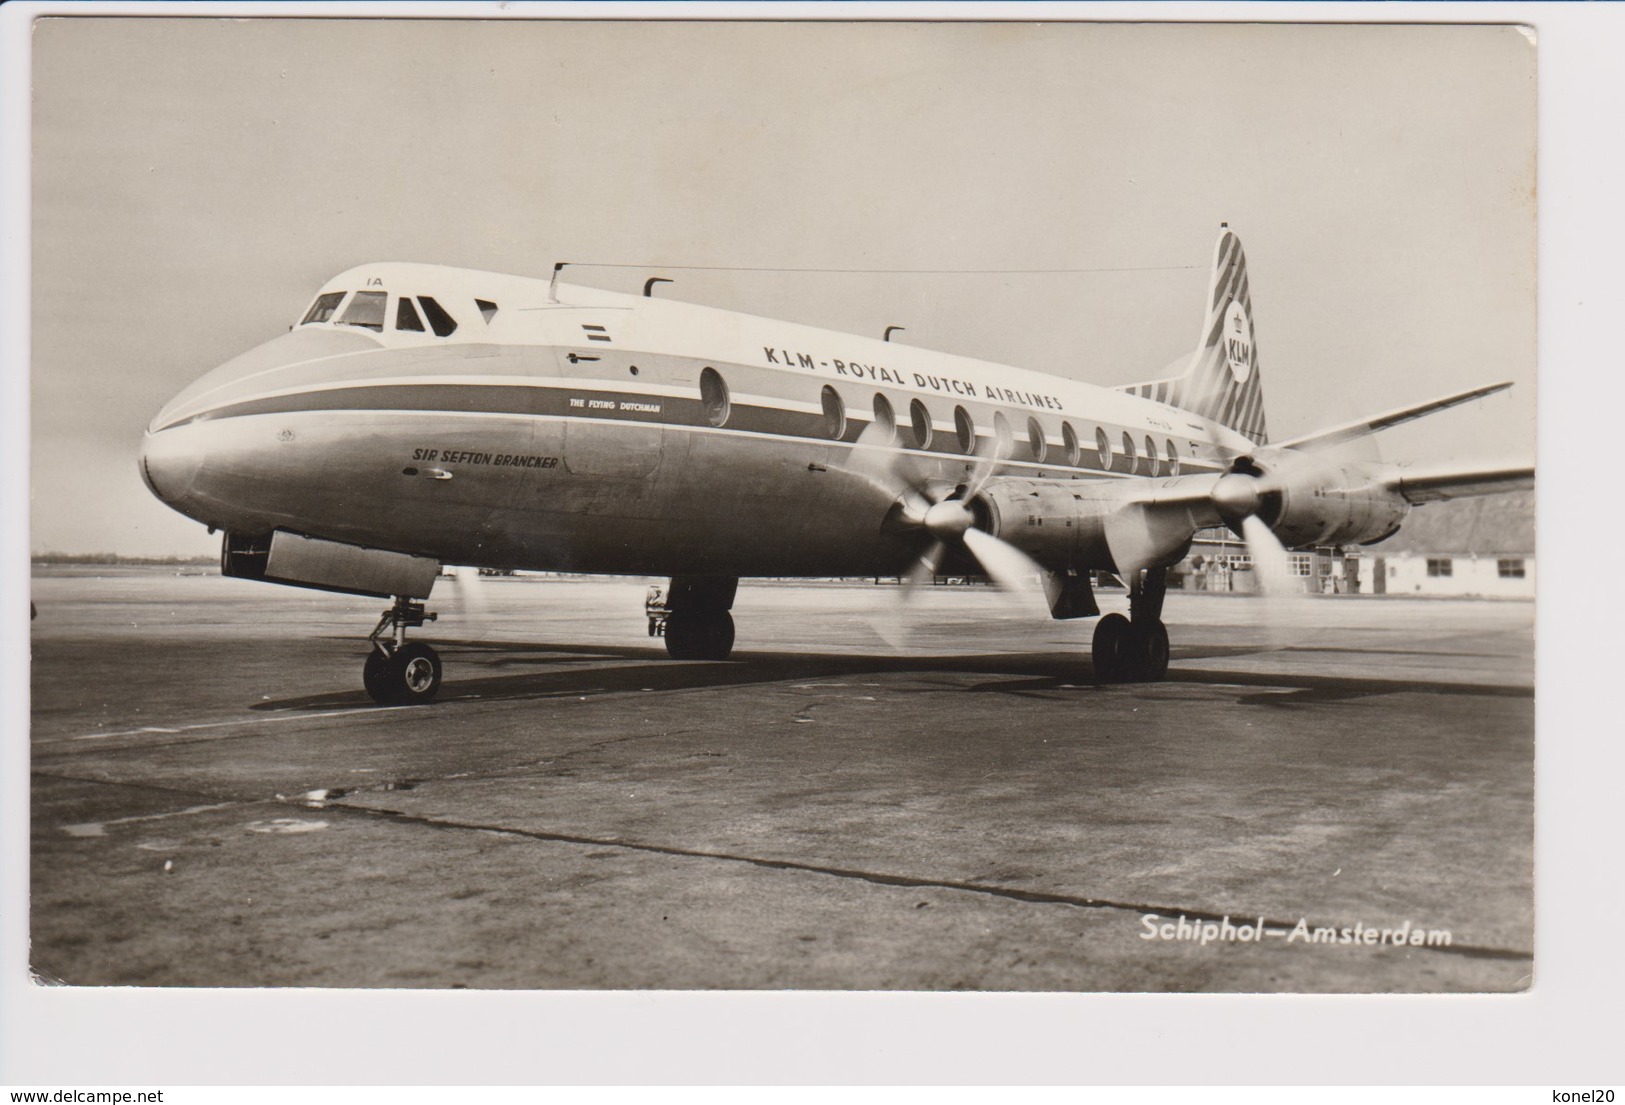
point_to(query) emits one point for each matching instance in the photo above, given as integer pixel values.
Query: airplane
(417, 416)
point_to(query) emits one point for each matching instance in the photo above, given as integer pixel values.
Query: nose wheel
(399, 672)
(408, 676)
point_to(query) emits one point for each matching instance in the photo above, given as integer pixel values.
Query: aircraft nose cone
(170, 461)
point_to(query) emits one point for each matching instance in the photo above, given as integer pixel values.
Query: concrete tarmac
(215, 802)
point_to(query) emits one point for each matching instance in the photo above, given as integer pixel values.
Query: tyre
(695, 635)
(408, 677)
(1112, 650)
(375, 676)
(1150, 651)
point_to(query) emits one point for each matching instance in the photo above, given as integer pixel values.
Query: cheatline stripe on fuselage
(1188, 466)
(198, 409)
(744, 420)
(640, 391)
(201, 398)
(541, 396)
(637, 388)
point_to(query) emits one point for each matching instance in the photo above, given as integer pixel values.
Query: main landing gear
(1135, 649)
(697, 623)
(399, 673)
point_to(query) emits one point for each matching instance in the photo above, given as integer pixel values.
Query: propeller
(471, 597)
(876, 460)
(1154, 521)
(1239, 497)
(1271, 561)
(1157, 524)
(941, 513)
(1141, 534)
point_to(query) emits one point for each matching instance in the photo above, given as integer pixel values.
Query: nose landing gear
(398, 673)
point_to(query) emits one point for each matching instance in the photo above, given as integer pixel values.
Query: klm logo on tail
(1221, 381)
(1238, 342)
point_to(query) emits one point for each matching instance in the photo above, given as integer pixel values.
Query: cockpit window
(487, 309)
(442, 323)
(366, 309)
(406, 316)
(323, 308)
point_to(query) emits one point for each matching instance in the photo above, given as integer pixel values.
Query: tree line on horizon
(118, 558)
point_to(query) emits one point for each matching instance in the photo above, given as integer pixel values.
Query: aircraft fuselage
(573, 429)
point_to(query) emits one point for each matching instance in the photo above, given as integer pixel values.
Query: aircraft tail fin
(1221, 378)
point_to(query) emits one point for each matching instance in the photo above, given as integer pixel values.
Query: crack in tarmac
(879, 878)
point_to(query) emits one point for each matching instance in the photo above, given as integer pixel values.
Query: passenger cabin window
(1173, 457)
(1128, 452)
(965, 428)
(714, 397)
(322, 310)
(886, 419)
(1035, 440)
(1103, 447)
(834, 413)
(366, 310)
(1004, 442)
(1069, 439)
(919, 420)
(406, 316)
(439, 321)
(1150, 456)
(488, 310)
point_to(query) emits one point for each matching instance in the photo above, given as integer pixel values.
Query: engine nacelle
(1309, 501)
(283, 557)
(1304, 499)
(1064, 524)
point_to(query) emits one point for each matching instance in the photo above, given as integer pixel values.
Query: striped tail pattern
(1222, 381)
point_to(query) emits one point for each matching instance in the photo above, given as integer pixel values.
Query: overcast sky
(196, 179)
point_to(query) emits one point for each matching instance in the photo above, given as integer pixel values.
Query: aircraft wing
(1360, 428)
(1430, 485)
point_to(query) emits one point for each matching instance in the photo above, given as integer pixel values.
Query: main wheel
(375, 676)
(410, 676)
(1113, 649)
(699, 635)
(1150, 649)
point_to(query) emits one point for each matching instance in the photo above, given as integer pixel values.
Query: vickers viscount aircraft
(418, 415)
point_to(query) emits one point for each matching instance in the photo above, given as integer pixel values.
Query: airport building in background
(1482, 546)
